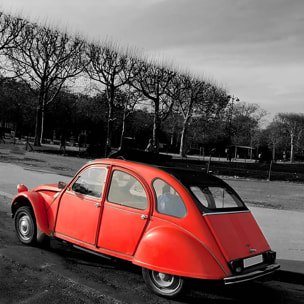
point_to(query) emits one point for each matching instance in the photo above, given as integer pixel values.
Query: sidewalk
(283, 230)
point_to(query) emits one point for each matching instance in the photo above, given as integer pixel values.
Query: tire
(163, 284)
(25, 225)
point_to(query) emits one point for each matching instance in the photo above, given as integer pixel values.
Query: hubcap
(25, 227)
(163, 280)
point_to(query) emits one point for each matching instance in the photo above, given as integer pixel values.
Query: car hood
(47, 188)
(237, 234)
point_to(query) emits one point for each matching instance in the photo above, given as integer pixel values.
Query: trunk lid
(237, 234)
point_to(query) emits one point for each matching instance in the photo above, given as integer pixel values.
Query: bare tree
(246, 119)
(130, 100)
(45, 59)
(10, 29)
(112, 68)
(189, 91)
(274, 135)
(154, 82)
(293, 124)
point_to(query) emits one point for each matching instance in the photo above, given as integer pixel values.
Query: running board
(93, 252)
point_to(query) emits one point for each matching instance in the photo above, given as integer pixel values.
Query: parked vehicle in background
(174, 223)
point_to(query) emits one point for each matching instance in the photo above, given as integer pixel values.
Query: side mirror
(61, 185)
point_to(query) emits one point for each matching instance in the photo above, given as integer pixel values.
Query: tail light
(239, 265)
(270, 256)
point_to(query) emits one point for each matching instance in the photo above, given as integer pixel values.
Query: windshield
(216, 198)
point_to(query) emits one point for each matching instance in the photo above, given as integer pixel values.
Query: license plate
(253, 261)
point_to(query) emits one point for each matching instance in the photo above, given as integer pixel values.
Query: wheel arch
(36, 202)
(177, 252)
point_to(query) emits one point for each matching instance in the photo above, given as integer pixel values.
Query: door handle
(143, 216)
(97, 205)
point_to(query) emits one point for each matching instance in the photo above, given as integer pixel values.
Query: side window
(168, 200)
(91, 182)
(126, 190)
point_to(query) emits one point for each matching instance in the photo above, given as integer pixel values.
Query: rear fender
(177, 252)
(36, 201)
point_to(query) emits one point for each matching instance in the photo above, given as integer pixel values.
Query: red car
(174, 223)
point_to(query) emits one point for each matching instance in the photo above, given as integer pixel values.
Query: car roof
(185, 175)
(190, 176)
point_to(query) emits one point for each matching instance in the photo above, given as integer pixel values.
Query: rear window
(216, 198)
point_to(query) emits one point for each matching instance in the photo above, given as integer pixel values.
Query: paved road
(12, 175)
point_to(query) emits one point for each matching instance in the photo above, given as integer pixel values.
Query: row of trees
(47, 59)
(41, 67)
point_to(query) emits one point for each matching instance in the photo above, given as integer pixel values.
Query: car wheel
(25, 225)
(163, 284)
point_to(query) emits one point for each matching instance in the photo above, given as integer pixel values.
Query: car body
(174, 223)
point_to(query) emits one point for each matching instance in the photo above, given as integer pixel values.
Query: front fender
(36, 201)
(177, 252)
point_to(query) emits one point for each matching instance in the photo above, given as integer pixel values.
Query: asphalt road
(60, 274)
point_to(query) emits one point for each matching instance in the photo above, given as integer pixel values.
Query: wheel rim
(25, 227)
(165, 282)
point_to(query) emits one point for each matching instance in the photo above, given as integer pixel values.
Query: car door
(80, 206)
(125, 213)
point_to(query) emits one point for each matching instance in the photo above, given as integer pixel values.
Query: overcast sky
(253, 48)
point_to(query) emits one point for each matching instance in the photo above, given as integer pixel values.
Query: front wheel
(25, 225)
(163, 284)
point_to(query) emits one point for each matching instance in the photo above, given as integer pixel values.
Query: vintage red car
(174, 223)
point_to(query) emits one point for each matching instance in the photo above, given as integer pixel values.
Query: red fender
(173, 251)
(37, 202)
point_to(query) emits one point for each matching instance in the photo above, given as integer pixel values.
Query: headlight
(22, 188)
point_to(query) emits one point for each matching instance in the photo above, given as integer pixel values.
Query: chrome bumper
(251, 275)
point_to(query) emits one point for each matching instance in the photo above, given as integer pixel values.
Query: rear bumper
(251, 275)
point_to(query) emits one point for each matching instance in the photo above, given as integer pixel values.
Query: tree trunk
(291, 147)
(42, 122)
(156, 127)
(110, 97)
(123, 127)
(38, 124)
(182, 147)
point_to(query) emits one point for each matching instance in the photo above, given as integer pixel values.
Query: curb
(290, 272)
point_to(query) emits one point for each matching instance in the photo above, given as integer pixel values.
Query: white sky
(254, 48)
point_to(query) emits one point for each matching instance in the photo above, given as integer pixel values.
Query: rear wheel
(25, 225)
(163, 284)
